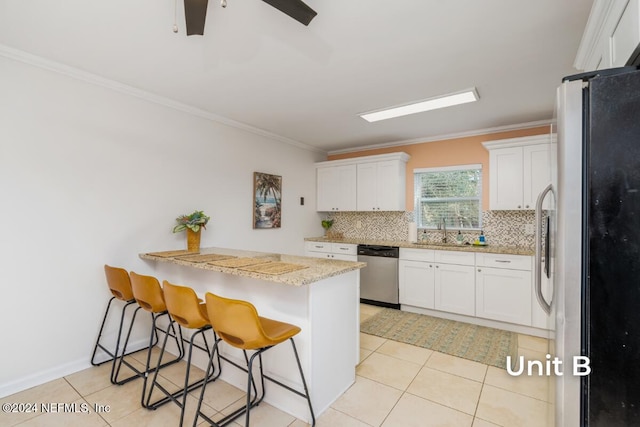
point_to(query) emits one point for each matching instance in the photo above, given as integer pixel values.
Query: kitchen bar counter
(314, 270)
(511, 250)
(322, 299)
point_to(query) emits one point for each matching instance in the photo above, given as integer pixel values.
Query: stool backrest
(236, 322)
(182, 303)
(119, 282)
(148, 293)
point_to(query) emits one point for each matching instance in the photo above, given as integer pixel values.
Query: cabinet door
(367, 184)
(504, 295)
(537, 173)
(313, 254)
(505, 178)
(416, 282)
(336, 188)
(626, 34)
(391, 189)
(455, 288)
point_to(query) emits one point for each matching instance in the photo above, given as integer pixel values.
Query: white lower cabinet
(503, 288)
(430, 279)
(454, 287)
(416, 283)
(504, 295)
(338, 251)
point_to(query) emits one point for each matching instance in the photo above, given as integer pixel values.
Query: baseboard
(54, 373)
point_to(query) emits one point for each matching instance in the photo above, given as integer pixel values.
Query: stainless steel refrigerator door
(567, 260)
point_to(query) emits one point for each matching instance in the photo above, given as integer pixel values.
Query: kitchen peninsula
(320, 296)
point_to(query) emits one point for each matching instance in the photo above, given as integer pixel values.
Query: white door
(416, 282)
(504, 295)
(367, 184)
(505, 178)
(537, 174)
(455, 288)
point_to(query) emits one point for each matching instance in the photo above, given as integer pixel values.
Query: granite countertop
(509, 250)
(316, 268)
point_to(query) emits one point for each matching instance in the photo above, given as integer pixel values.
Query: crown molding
(94, 79)
(444, 137)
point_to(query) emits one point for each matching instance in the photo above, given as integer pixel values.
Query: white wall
(89, 176)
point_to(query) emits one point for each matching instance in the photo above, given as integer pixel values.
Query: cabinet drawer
(512, 262)
(318, 246)
(344, 249)
(417, 254)
(455, 257)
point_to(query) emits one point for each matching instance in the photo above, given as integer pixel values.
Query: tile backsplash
(503, 228)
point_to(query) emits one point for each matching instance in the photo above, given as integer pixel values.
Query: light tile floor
(397, 385)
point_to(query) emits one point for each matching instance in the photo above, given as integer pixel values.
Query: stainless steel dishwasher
(379, 279)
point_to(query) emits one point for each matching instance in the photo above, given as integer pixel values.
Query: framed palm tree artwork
(267, 192)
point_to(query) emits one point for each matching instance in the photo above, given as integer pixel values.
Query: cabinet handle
(527, 206)
(479, 271)
(503, 261)
(519, 206)
(430, 266)
(437, 266)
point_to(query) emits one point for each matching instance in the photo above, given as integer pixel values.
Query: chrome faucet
(444, 229)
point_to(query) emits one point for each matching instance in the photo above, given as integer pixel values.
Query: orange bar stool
(185, 308)
(120, 287)
(237, 323)
(148, 293)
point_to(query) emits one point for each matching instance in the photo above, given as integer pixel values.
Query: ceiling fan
(195, 12)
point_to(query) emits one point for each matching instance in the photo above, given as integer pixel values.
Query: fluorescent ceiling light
(469, 95)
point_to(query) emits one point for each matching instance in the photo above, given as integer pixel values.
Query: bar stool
(148, 293)
(120, 287)
(185, 308)
(238, 324)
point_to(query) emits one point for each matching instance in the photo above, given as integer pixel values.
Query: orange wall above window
(448, 152)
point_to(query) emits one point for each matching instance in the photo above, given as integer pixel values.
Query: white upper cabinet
(336, 188)
(371, 183)
(519, 169)
(612, 36)
(381, 186)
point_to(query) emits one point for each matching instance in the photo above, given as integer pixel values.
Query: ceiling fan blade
(296, 9)
(195, 13)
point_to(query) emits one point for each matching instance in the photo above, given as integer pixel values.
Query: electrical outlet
(528, 229)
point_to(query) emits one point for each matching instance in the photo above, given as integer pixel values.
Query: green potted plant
(193, 223)
(327, 224)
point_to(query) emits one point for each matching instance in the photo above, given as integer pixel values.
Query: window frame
(417, 191)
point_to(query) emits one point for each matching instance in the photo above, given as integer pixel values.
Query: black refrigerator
(596, 249)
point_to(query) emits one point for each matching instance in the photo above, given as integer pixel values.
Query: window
(452, 194)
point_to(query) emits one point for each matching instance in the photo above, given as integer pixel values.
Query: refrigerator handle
(538, 261)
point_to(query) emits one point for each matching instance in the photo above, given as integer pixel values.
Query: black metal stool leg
(117, 361)
(95, 348)
(170, 331)
(304, 382)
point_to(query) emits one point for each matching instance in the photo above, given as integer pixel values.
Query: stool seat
(238, 324)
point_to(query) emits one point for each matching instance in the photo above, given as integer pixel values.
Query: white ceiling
(257, 66)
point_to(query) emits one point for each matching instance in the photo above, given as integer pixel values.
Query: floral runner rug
(478, 343)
